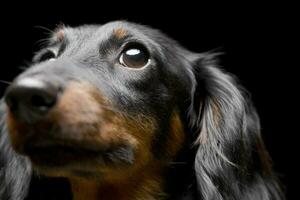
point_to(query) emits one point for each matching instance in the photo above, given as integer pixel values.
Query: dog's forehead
(101, 32)
(73, 34)
(98, 33)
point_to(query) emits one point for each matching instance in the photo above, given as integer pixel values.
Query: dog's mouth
(67, 155)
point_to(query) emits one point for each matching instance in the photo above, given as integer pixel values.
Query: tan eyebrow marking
(120, 33)
(59, 32)
(60, 35)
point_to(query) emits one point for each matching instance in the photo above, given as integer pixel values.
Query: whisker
(5, 82)
(44, 28)
(110, 108)
(42, 42)
(45, 41)
(22, 68)
(25, 65)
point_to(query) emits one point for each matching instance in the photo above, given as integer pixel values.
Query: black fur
(223, 158)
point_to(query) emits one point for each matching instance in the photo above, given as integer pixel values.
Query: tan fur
(144, 184)
(59, 33)
(120, 33)
(176, 135)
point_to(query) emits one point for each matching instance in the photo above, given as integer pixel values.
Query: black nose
(29, 100)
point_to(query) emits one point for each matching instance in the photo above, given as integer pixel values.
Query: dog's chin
(68, 160)
(69, 172)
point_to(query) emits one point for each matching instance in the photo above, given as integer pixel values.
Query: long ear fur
(231, 161)
(15, 170)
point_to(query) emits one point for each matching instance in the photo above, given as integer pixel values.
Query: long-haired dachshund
(121, 111)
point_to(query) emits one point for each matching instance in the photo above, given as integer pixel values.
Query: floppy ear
(231, 161)
(15, 171)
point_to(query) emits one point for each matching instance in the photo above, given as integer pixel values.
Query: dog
(121, 111)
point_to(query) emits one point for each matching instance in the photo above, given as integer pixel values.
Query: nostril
(42, 102)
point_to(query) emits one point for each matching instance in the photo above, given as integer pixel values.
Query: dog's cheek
(176, 136)
(136, 133)
(135, 137)
(85, 110)
(142, 129)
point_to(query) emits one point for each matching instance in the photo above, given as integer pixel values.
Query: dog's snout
(30, 99)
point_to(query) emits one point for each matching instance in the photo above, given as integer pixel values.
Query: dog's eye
(44, 55)
(135, 56)
(47, 55)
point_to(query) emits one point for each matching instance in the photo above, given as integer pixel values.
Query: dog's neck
(142, 186)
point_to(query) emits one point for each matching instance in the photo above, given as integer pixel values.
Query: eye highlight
(135, 56)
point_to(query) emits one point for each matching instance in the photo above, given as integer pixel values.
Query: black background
(256, 39)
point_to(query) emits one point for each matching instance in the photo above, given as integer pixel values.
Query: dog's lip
(33, 145)
(59, 148)
(61, 153)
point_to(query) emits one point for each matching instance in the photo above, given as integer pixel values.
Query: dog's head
(120, 99)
